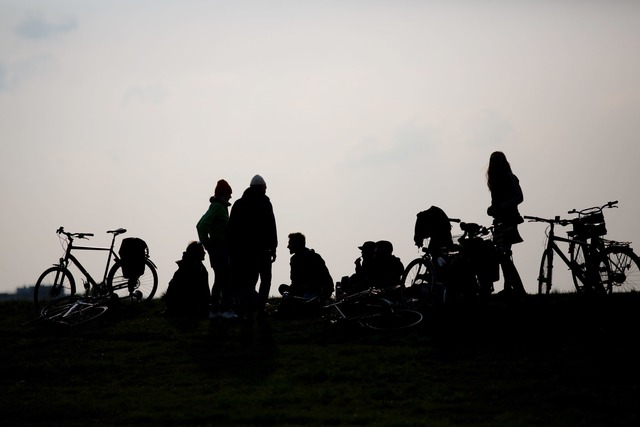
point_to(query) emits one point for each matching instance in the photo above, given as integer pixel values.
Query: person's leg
(265, 283)
(512, 281)
(221, 292)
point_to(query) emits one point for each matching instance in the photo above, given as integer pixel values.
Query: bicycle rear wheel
(624, 267)
(392, 319)
(418, 284)
(141, 289)
(56, 282)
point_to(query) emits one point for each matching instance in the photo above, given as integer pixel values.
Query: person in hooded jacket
(188, 291)
(213, 233)
(253, 241)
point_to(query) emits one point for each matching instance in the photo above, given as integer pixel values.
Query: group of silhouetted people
(241, 244)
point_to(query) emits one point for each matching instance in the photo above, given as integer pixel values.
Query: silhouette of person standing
(253, 237)
(213, 233)
(506, 195)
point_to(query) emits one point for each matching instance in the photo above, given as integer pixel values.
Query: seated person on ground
(361, 279)
(188, 292)
(310, 278)
(387, 268)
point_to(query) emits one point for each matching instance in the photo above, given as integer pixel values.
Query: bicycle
(624, 264)
(371, 309)
(458, 272)
(74, 309)
(587, 261)
(58, 281)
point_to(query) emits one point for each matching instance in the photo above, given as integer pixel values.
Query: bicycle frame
(76, 262)
(112, 256)
(358, 298)
(552, 239)
(552, 247)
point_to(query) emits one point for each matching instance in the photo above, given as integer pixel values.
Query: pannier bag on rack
(133, 254)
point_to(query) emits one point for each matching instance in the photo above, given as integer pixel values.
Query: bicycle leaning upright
(58, 281)
(596, 264)
(623, 263)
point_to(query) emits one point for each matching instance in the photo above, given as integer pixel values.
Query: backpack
(133, 254)
(433, 223)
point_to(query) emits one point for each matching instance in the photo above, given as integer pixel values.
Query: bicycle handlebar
(474, 229)
(556, 220)
(73, 235)
(594, 209)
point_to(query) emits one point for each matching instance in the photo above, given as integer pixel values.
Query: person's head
(223, 190)
(297, 241)
(259, 183)
(498, 167)
(383, 248)
(367, 249)
(195, 250)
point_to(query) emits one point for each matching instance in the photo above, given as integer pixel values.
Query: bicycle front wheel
(55, 282)
(418, 283)
(391, 320)
(141, 289)
(624, 266)
(546, 272)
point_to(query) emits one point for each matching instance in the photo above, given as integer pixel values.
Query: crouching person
(311, 283)
(188, 292)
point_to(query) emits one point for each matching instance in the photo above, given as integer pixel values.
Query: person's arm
(203, 226)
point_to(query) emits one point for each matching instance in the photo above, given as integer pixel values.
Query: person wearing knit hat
(213, 233)
(258, 181)
(254, 239)
(222, 188)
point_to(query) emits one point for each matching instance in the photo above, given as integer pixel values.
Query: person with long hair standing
(506, 195)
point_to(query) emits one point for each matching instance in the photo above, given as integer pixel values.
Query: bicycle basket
(590, 226)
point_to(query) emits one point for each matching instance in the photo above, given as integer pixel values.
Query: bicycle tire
(579, 269)
(576, 254)
(418, 284)
(140, 289)
(545, 275)
(624, 266)
(54, 283)
(392, 320)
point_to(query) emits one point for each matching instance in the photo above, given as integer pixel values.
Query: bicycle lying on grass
(371, 309)
(58, 281)
(596, 264)
(74, 309)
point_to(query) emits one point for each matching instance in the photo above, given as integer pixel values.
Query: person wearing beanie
(258, 181)
(213, 233)
(253, 241)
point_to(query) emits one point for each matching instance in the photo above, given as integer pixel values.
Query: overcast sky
(358, 114)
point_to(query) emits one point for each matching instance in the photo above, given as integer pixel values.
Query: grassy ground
(558, 361)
